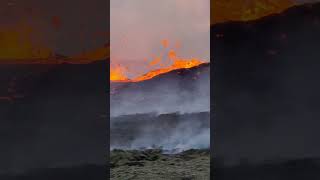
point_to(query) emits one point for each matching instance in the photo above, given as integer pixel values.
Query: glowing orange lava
(177, 64)
(118, 73)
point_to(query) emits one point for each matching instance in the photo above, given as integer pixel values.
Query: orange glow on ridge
(117, 73)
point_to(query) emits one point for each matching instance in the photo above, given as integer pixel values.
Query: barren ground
(156, 165)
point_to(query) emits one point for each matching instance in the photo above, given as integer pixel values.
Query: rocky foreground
(156, 165)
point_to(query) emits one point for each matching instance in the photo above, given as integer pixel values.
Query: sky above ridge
(139, 27)
(70, 27)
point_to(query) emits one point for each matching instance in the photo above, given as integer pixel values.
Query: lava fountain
(118, 72)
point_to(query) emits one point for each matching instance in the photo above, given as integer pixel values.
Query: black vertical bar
(265, 95)
(54, 111)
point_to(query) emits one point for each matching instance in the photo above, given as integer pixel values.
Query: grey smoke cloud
(186, 131)
(162, 98)
(168, 96)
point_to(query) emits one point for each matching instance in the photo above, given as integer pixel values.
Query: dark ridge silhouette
(181, 75)
(265, 91)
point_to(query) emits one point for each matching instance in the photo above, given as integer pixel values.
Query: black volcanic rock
(265, 86)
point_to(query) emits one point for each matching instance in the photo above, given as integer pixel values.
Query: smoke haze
(166, 94)
(171, 111)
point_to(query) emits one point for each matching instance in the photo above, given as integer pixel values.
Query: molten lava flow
(177, 64)
(117, 73)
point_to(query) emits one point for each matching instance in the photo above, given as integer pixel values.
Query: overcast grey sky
(139, 26)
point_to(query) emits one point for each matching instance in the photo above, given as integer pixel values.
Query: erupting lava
(177, 64)
(118, 73)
